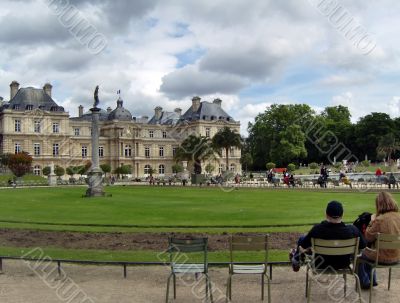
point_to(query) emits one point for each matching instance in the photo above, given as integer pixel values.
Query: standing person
(332, 228)
(386, 221)
(378, 174)
(392, 181)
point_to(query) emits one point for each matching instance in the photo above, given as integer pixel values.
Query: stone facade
(31, 121)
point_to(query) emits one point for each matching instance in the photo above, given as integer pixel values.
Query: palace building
(33, 122)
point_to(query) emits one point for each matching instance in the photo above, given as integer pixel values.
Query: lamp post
(95, 174)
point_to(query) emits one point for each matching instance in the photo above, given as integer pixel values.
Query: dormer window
(16, 106)
(212, 117)
(29, 107)
(53, 109)
(204, 117)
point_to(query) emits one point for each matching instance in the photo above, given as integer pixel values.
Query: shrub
(20, 164)
(106, 168)
(365, 163)
(313, 165)
(291, 167)
(177, 168)
(59, 171)
(270, 165)
(46, 170)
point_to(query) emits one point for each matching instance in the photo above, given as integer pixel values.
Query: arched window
(232, 167)
(161, 169)
(37, 170)
(147, 168)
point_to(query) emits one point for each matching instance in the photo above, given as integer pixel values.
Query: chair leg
(174, 276)
(345, 284)
(262, 287)
(228, 294)
(168, 282)
(269, 288)
(211, 292)
(206, 286)
(358, 286)
(390, 277)
(371, 284)
(309, 291)
(307, 283)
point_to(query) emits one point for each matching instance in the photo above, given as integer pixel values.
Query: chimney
(47, 89)
(109, 109)
(145, 119)
(80, 110)
(178, 111)
(217, 101)
(158, 112)
(195, 103)
(14, 86)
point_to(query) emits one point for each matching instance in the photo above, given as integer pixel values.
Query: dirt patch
(121, 241)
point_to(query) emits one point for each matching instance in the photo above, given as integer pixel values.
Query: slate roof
(30, 98)
(167, 118)
(120, 113)
(207, 111)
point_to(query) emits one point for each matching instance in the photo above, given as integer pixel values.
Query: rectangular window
(147, 152)
(56, 127)
(151, 133)
(17, 148)
(77, 131)
(17, 126)
(161, 151)
(128, 151)
(101, 151)
(84, 151)
(164, 134)
(36, 149)
(174, 149)
(37, 126)
(232, 151)
(56, 150)
(207, 132)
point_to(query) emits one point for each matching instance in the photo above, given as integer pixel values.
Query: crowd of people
(386, 220)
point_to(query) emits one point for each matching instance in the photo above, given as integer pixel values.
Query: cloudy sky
(248, 53)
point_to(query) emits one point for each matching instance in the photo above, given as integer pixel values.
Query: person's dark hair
(334, 209)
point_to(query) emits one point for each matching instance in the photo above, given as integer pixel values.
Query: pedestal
(52, 179)
(95, 184)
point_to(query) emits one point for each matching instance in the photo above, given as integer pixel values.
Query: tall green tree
(226, 138)
(194, 149)
(388, 145)
(290, 146)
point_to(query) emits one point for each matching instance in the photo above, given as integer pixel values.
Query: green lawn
(167, 208)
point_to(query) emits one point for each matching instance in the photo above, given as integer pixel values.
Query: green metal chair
(178, 250)
(383, 241)
(248, 243)
(332, 248)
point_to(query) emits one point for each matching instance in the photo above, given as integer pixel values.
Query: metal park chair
(178, 250)
(248, 243)
(332, 248)
(383, 241)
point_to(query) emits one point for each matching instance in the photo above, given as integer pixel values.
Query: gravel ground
(27, 282)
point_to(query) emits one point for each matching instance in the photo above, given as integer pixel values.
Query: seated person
(386, 221)
(330, 229)
(291, 180)
(286, 180)
(392, 181)
(347, 181)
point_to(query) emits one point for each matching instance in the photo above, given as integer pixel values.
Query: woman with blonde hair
(385, 221)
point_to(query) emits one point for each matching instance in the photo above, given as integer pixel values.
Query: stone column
(95, 175)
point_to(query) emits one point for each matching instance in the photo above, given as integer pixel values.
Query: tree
(46, 170)
(290, 146)
(246, 160)
(291, 167)
(270, 128)
(123, 170)
(106, 168)
(4, 159)
(226, 138)
(270, 165)
(83, 169)
(194, 149)
(72, 170)
(368, 132)
(209, 168)
(388, 146)
(177, 168)
(59, 171)
(20, 164)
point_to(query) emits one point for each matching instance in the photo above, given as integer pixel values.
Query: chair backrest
(386, 241)
(178, 249)
(336, 248)
(249, 243)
